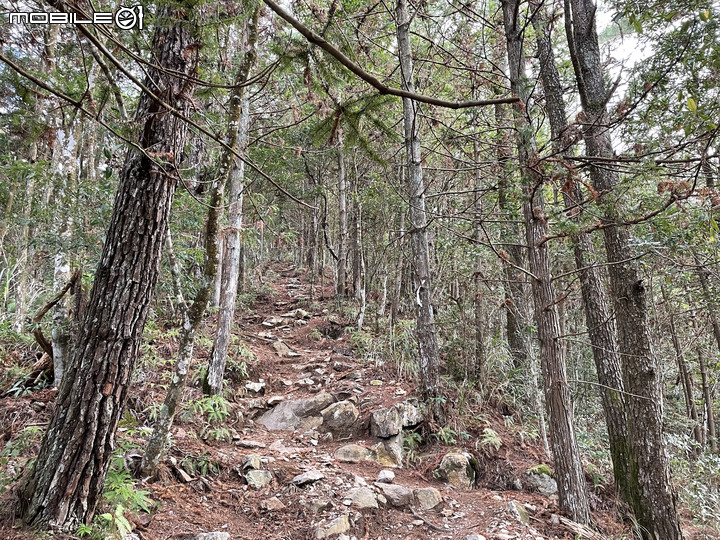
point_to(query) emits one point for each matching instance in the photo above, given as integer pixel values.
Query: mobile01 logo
(125, 18)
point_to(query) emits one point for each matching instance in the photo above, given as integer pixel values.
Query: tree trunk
(341, 286)
(598, 321)
(707, 396)
(66, 480)
(234, 173)
(476, 370)
(426, 334)
(572, 492)
(513, 254)
(656, 507)
(684, 372)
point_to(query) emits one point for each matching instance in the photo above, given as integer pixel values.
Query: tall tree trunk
(429, 359)
(707, 397)
(341, 286)
(476, 370)
(572, 491)
(599, 323)
(656, 507)
(684, 372)
(66, 480)
(234, 173)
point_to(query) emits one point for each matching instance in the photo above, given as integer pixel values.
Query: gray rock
(542, 483)
(383, 457)
(283, 350)
(296, 414)
(354, 453)
(255, 388)
(475, 537)
(393, 447)
(428, 498)
(396, 494)
(457, 470)
(258, 479)
(385, 423)
(252, 461)
(362, 497)
(318, 506)
(410, 413)
(210, 536)
(520, 512)
(307, 478)
(386, 477)
(274, 400)
(339, 418)
(338, 525)
(250, 444)
(273, 504)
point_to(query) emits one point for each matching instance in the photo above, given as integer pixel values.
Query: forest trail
(203, 485)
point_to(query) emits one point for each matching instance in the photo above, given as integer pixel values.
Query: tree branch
(373, 81)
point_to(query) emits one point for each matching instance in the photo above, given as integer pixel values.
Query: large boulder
(410, 413)
(302, 414)
(339, 418)
(354, 453)
(396, 494)
(330, 528)
(428, 498)
(385, 423)
(457, 470)
(541, 482)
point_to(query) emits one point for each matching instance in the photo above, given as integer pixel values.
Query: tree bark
(707, 396)
(341, 286)
(234, 173)
(572, 491)
(425, 319)
(656, 507)
(66, 480)
(598, 320)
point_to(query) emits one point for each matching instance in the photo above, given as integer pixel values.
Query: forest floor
(202, 485)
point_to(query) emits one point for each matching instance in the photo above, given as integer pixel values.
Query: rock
(428, 498)
(354, 453)
(475, 537)
(362, 497)
(396, 494)
(210, 536)
(542, 483)
(276, 399)
(182, 475)
(338, 525)
(283, 350)
(250, 444)
(339, 418)
(410, 413)
(296, 414)
(393, 447)
(252, 461)
(307, 478)
(457, 470)
(385, 423)
(383, 457)
(520, 512)
(258, 479)
(318, 506)
(376, 382)
(386, 477)
(255, 388)
(273, 504)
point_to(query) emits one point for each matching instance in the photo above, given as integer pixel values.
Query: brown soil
(216, 498)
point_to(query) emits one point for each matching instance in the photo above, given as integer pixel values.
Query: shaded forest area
(509, 206)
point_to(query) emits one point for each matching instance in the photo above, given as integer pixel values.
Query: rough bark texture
(233, 172)
(656, 507)
(341, 286)
(572, 491)
(426, 333)
(67, 478)
(707, 396)
(599, 323)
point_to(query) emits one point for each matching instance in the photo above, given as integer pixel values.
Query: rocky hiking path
(317, 450)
